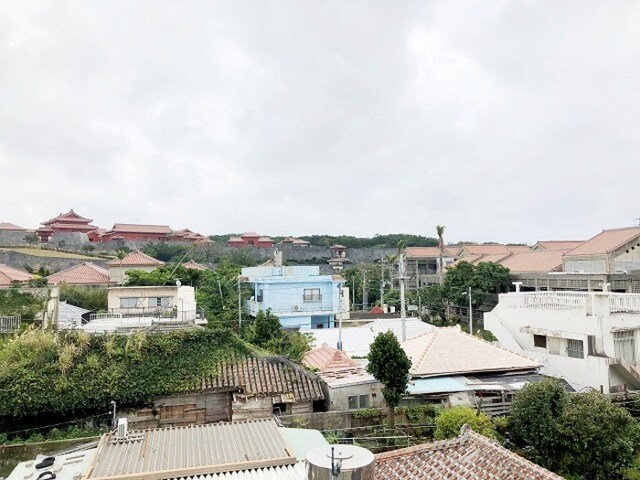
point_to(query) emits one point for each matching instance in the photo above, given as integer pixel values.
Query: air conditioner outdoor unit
(123, 427)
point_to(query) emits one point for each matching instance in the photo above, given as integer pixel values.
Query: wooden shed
(243, 389)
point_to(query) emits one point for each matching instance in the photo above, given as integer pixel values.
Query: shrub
(450, 422)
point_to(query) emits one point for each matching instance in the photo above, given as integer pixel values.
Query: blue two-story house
(298, 295)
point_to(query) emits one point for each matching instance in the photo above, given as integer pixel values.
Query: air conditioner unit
(123, 428)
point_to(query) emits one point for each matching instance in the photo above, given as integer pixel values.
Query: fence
(10, 324)
(624, 303)
(547, 301)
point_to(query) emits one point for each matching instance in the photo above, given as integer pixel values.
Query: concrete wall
(515, 327)
(338, 397)
(117, 274)
(55, 264)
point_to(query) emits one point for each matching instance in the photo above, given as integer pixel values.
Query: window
(128, 302)
(163, 302)
(624, 346)
(540, 341)
(312, 295)
(358, 401)
(260, 297)
(575, 348)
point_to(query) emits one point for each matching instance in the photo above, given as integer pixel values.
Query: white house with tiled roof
(133, 261)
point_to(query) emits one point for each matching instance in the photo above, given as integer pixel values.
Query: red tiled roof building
(69, 222)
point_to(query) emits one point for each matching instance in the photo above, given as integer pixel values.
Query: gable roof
(139, 228)
(542, 261)
(326, 359)
(194, 266)
(606, 241)
(431, 252)
(9, 274)
(492, 249)
(135, 259)
(469, 456)
(11, 227)
(448, 350)
(69, 217)
(85, 273)
(557, 244)
(266, 376)
(179, 452)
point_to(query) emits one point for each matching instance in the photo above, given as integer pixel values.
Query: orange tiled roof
(558, 244)
(448, 350)
(138, 228)
(11, 227)
(194, 266)
(82, 274)
(607, 241)
(326, 359)
(135, 259)
(542, 261)
(9, 274)
(470, 456)
(495, 258)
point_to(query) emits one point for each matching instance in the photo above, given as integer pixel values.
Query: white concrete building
(590, 339)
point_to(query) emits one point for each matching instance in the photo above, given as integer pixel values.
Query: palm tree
(440, 232)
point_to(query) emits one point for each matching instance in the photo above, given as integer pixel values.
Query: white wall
(516, 326)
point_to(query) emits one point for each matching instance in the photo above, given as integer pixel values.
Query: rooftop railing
(576, 301)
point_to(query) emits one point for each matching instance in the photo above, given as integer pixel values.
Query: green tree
(536, 414)
(598, 437)
(389, 364)
(84, 297)
(266, 328)
(581, 434)
(451, 420)
(31, 238)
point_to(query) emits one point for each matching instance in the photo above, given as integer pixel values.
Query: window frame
(576, 347)
(309, 295)
(537, 339)
(135, 302)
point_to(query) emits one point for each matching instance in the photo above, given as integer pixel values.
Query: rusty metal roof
(266, 376)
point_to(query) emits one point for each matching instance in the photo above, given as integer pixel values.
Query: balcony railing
(624, 303)
(547, 301)
(10, 324)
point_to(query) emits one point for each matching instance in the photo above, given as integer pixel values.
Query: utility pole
(382, 283)
(403, 313)
(470, 313)
(353, 293)
(365, 291)
(239, 306)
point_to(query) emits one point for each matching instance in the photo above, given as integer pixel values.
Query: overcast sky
(502, 120)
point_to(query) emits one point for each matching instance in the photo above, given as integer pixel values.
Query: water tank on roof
(339, 462)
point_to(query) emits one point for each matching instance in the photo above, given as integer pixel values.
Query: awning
(419, 386)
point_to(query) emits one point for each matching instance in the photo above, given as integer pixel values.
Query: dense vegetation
(378, 241)
(77, 372)
(84, 297)
(449, 423)
(582, 436)
(14, 302)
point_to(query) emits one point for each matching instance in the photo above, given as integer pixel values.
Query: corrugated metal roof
(437, 385)
(288, 472)
(193, 450)
(266, 376)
